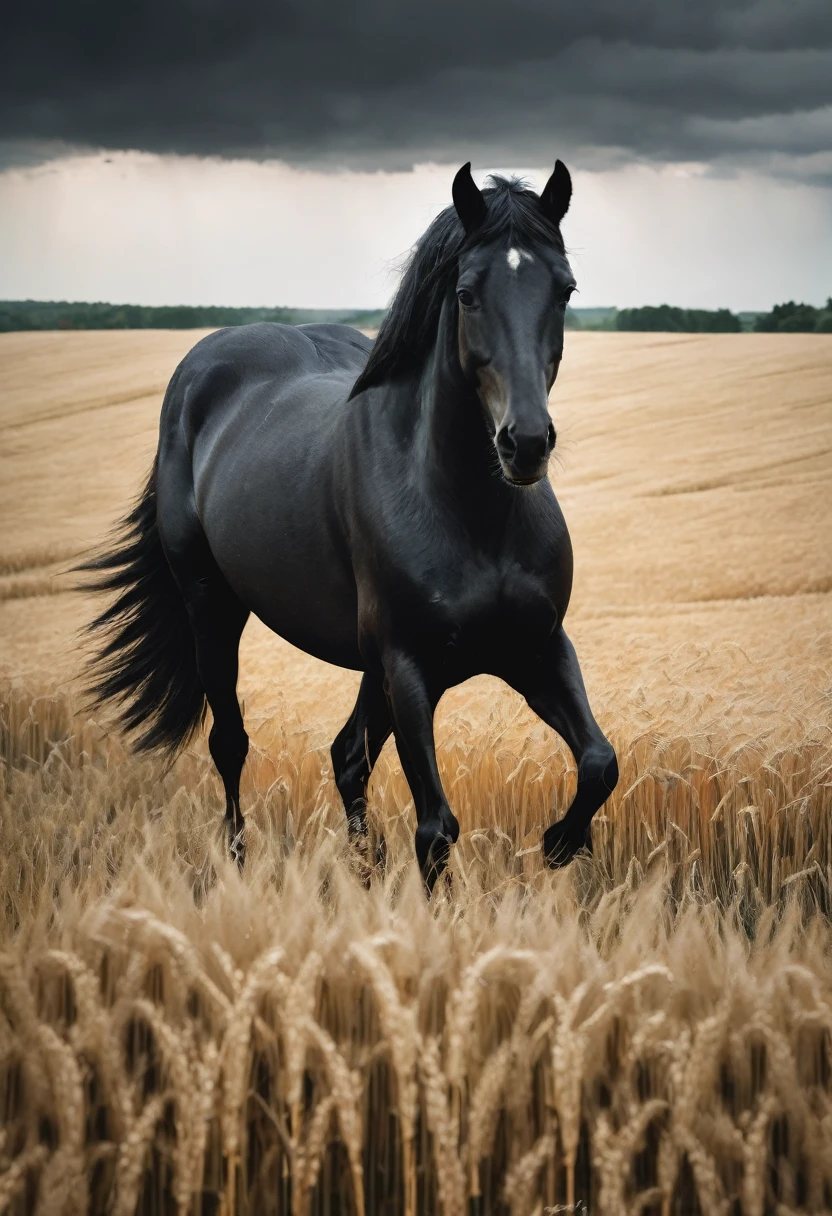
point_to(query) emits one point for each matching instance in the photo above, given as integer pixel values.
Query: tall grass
(647, 1031)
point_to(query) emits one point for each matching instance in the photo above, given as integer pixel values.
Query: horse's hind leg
(217, 619)
(356, 749)
(556, 693)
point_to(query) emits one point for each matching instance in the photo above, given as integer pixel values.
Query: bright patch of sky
(147, 229)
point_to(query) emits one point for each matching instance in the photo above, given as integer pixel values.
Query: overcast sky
(263, 152)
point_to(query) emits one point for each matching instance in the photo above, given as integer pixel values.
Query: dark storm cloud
(379, 83)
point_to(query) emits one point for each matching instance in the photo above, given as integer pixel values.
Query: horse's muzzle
(524, 455)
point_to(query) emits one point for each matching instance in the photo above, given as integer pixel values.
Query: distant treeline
(667, 319)
(591, 318)
(34, 314)
(794, 318)
(661, 318)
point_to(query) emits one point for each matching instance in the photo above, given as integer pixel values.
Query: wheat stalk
(235, 1056)
(131, 1157)
(521, 1179)
(444, 1130)
(346, 1091)
(484, 1109)
(399, 1026)
(15, 1174)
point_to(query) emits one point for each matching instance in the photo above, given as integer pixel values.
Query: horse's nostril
(506, 442)
(551, 436)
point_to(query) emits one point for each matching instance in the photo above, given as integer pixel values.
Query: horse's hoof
(357, 829)
(237, 847)
(437, 881)
(561, 841)
(358, 834)
(436, 862)
(369, 862)
(381, 854)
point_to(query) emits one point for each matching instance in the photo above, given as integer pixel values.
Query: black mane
(513, 216)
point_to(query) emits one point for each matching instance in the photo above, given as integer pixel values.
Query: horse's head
(512, 295)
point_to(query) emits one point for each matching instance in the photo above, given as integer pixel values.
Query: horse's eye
(567, 295)
(465, 297)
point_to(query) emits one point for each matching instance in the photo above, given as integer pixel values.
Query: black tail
(148, 664)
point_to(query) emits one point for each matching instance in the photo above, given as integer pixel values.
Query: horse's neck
(453, 442)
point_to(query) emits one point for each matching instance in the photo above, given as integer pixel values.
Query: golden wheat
(648, 1031)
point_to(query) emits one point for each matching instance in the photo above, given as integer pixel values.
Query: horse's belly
(297, 588)
(326, 630)
(275, 540)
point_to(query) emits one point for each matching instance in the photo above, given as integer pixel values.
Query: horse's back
(272, 349)
(339, 345)
(236, 380)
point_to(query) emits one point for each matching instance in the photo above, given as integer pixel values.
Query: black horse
(384, 506)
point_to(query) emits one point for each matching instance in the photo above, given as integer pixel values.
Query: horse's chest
(483, 611)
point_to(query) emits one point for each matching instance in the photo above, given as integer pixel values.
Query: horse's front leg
(357, 747)
(555, 691)
(412, 699)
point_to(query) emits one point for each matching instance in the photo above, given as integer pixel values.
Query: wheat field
(647, 1031)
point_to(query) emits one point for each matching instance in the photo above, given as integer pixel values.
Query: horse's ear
(468, 200)
(556, 193)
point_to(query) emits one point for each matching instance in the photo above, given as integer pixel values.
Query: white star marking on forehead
(515, 257)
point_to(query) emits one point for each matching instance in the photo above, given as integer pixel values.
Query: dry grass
(648, 1031)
